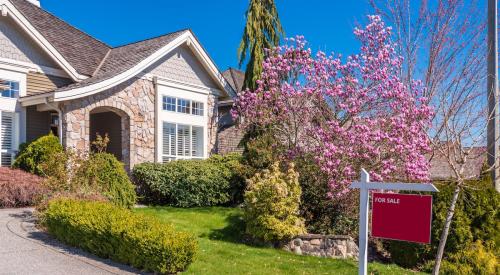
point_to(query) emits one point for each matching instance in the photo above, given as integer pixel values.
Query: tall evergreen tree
(262, 31)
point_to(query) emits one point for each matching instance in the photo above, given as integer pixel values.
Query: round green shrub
(31, 156)
(104, 173)
(476, 218)
(272, 200)
(113, 232)
(237, 172)
(184, 183)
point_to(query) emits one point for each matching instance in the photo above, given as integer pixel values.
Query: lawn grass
(221, 252)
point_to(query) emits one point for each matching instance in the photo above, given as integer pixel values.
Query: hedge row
(189, 183)
(112, 232)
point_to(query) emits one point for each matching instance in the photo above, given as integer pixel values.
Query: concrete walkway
(26, 250)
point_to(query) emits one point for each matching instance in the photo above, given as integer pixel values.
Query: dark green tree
(262, 31)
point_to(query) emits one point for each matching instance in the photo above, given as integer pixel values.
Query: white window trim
(179, 118)
(176, 156)
(191, 107)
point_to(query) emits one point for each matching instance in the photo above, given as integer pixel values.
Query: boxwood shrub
(32, 155)
(109, 231)
(189, 183)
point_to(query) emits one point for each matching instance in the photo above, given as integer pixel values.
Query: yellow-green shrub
(112, 232)
(272, 202)
(475, 259)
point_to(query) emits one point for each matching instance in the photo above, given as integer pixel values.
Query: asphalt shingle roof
(235, 78)
(86, 54)
(122, 58)
(81, 50)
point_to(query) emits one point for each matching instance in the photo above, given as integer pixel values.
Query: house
(229, 135)
(157, 99)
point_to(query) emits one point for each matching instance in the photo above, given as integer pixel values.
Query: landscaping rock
(328, 246)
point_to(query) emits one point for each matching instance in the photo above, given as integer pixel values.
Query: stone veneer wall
(329, 246)
(134, 101)
(212, 124)
(229, 139)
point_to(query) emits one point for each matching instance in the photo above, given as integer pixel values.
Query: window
(181, 141)
(183, 106)
(9, 88)
(197, 108)
(169, 103)
(6, 138)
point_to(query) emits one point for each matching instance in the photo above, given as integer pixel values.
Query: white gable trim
(7, 9)
(187, 38)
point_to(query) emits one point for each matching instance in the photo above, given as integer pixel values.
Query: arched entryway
(116, 124)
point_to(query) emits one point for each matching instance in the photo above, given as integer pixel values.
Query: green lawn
(221, 252)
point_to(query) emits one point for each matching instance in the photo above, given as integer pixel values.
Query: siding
(16, 45)
(182, 65)
(37, 123)
(40, 83)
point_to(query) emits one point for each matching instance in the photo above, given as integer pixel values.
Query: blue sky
(326, 24)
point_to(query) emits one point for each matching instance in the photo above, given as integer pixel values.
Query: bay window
(180, 141)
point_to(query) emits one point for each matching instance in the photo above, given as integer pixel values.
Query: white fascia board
(209, 65)
(144, 64)
(27, 67)
(36, 99)
(120, 78)
(40, 40)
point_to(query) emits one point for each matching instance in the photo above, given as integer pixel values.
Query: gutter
(59, 112)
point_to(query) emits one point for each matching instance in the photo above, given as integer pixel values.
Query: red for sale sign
(402, 217)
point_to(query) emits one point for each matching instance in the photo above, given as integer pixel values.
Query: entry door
(8, 137)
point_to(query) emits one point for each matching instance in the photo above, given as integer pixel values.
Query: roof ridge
(151, 38)
(60, 19)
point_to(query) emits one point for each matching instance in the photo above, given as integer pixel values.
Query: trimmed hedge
(112, 232)
(31, 156)
(189, 183)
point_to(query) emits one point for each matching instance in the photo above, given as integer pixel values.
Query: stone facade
(229, 139)
(133, 101)
(329, 246)
(212, 124)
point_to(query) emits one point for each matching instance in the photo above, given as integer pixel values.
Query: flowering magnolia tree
(349, 113)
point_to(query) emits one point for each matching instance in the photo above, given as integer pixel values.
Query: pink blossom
(347, 114)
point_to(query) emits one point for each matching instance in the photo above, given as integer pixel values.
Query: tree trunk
(446, 229)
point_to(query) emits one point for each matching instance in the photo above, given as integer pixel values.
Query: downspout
(59, 113)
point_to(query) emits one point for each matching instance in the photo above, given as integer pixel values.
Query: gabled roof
(235, 78)
(123, 58)
(93, 64)
(82, 51)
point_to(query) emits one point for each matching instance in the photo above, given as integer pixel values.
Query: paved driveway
(26, 250)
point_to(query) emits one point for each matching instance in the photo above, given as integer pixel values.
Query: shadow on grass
(234, 232)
